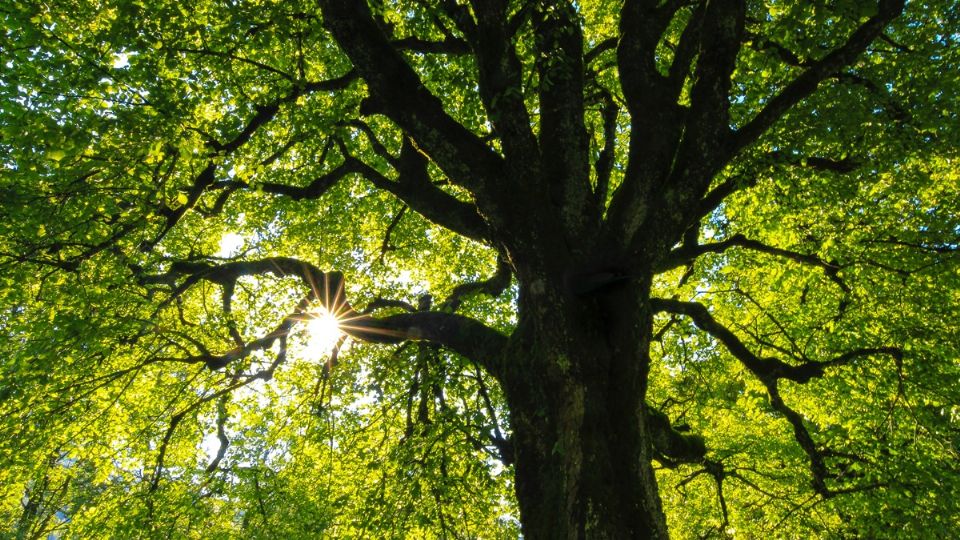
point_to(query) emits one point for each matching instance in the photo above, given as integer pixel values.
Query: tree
(670, 263)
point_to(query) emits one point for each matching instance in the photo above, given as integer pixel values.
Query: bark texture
(575, 381)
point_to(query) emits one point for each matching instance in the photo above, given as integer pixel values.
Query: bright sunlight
(323, 332)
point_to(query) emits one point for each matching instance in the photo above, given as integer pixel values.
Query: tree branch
(222, 418)
(493, 287)
(461, 334)
(318, 186)
(414, 187)
(642, 23)
(819, 163)
(401, 95)
(564, 147)
(263, 114)
(604, 165)
(264, 374)
(721, 36)
(808, 81)
(717, 195)
(608, 44)
(672, 446)
(500, 82)
(818, 467)
(770, 371)
(687, 253)
(951, 246)
(888, 102)
(231, 56)
(686, 50)
(700, 152)
(767, 369)
(385, 245)
(656, 119)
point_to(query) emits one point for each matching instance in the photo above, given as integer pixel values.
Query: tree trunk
(575, 381)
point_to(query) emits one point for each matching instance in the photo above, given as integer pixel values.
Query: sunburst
(323, 332)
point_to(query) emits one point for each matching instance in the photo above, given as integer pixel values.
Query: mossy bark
(575, 379)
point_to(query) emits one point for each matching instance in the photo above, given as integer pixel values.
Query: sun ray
(323, 332)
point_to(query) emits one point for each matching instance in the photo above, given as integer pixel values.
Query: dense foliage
(182, 183)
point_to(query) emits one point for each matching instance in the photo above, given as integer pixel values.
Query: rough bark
(575, 383)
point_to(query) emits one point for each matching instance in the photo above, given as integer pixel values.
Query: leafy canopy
(149, 387)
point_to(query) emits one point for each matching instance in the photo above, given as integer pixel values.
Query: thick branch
(642, 23)
(717, 195)
(655, 117)
(401, 95)
(671, 445)
(415, 189)
(766, 369)
(818, 163)
(461, 334)
(315, 188)
(770, 371)
(686, 50)
(458, 333)
(721, 34)
(818, 467)
(501, 85)
(604, 165)
(608, 44)
(563, 139)
(700, 152)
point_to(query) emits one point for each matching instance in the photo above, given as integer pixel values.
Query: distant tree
(604, 269)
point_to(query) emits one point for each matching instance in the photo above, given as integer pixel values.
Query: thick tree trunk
(575, 380)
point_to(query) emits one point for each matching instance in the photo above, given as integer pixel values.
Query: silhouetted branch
(221, 434)
(806, 83)
(604, 165)
(672, 447)
(263, 114)
(687, 253)
(401, 95)
(493, 287)
(770, 371)
(264, 374)
(461, 334)
(608, 44)
(768, 368)
(414, 188)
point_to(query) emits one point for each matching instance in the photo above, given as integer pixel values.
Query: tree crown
(183, 187)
